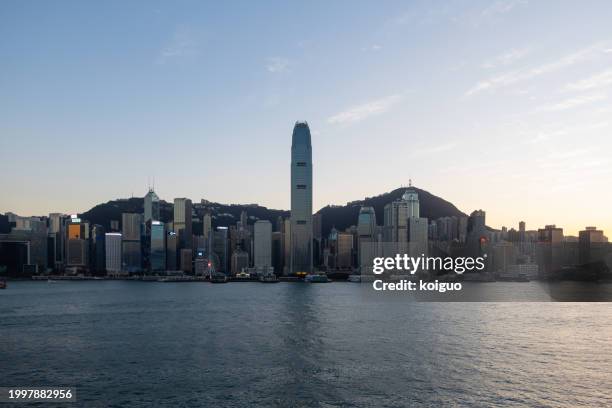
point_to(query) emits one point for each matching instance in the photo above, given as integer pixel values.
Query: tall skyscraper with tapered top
(151, 206)
(301, 200)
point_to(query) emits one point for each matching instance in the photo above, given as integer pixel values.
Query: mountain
(222, 214)
(340, 217)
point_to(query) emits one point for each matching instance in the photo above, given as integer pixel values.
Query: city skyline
(298, 246)
(516, 226)
(451, 95)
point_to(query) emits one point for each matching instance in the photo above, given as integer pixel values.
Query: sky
(504, 106)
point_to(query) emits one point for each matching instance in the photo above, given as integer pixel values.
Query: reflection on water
(137, 344)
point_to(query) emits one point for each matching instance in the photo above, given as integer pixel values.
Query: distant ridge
(340, 217)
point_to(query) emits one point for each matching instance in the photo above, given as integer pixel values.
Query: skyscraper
(151, 206)
(171, 251)
(404, 226)
(301, 200)
(277, 252)
(477, 222)
(366, 230)
(57, 235)
(317, 234)
(417, 235)
(131, 242)
(243, 220)
(158, 246)
(240, 261)
(366, 223)
(186, 257)
(206, 225)
(549, 250)
(55, 223)
(317, 226)
(98, 257)
(221, 248)
(592, 245)
(396, 221)
(76, 244)
(130, 226)
(417, 225)
(344, 251)
(287, 246)
(263, 244)
(182, 221)
(113, 252)
(411, 197)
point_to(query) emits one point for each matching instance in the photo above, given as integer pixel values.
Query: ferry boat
(2, 284)
(218, 278)
(243, 276)
(169, 279)
(268, 278)
(354, 278)
(316, 278)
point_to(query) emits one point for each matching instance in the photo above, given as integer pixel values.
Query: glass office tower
(158, 246)
(301, 200)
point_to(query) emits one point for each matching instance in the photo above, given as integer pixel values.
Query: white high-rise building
(411, 198)
(301, 200)
(397, 214)
(263, 244)
(151, 206)
(404, 226)
(55, 223)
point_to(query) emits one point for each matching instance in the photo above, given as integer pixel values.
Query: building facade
(158, 247)
(151, 206)
(182, 221)
(263, 244)
(113, 248)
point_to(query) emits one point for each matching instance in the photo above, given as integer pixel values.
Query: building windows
(301, 222)
(301, 164)
(301, 186)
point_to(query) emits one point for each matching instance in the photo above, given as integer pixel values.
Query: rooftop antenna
(409, 182)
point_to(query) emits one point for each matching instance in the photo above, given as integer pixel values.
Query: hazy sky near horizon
(501, 105)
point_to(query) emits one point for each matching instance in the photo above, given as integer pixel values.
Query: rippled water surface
(288, 344)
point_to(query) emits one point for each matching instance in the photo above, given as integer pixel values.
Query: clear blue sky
(501, 105)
